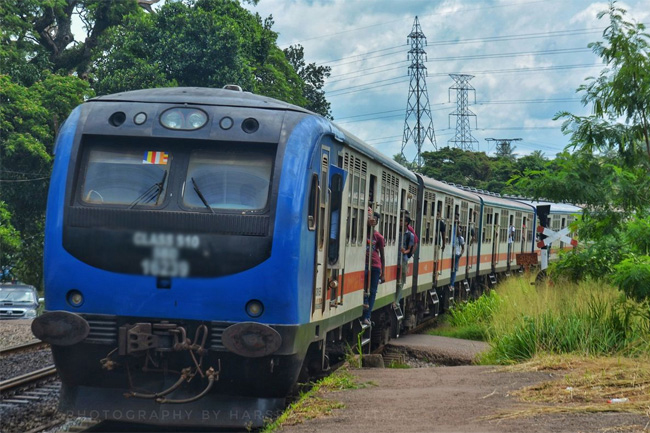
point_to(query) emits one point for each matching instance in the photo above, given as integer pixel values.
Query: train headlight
(251, 339)
(75, 298)
(186, 119)
(196, 119)
(254, 308)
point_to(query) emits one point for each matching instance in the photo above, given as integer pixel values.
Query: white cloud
(367, 39)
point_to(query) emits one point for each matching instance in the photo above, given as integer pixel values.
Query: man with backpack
(407, 246)
(410, 228)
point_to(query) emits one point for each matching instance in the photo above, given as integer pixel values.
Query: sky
(527, 59)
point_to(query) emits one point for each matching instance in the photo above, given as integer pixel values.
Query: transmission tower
(503, 146)
(463, 138)
(417, 108)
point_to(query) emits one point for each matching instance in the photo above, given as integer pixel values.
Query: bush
(632, 276)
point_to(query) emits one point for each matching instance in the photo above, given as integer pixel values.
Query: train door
(523, 234)
(322, 223)
(329, 212)
(399, 286)
(495, 241)
(439, 235)
(511, 240)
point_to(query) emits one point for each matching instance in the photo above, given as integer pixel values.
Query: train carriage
(441, 203)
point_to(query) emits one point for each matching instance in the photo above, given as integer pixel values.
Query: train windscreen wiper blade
(151, 193)
(198, 192)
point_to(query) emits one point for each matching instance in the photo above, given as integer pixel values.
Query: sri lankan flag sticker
(159, 158)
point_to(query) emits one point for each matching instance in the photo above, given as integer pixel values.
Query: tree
(208, 43)
(29, 120)
(608, 173)
(9, 242)
(314, 79)
(621, 90)
(42, 29)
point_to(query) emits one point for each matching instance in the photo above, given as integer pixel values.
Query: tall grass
(590, 318)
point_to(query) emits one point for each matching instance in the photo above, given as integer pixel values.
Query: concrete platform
(442, 350)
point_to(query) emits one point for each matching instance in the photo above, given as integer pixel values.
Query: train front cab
(240, 275)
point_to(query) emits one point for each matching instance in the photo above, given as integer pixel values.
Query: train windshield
(228, 179)
(125, 176)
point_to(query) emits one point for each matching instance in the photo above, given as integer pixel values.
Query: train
(205, 251)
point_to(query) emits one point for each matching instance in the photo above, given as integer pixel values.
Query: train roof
(372, 153)
(556, 208)
(447, 188)
(236, 98)
(200, 95)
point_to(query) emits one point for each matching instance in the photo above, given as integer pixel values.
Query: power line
(461, 10)
(504, 38)
(363, 72)
(445, 104)
(344, 91)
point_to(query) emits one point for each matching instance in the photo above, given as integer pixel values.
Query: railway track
(27, 379)
(32, 345)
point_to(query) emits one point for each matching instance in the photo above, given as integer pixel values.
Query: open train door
(328, 258)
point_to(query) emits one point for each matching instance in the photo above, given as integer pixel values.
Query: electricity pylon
(503, 147)
(418, 111)
(463, 137)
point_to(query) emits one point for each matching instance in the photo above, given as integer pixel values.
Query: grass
(310, 405)
(596, 339)
(469, 321)
(588, 385)
(520, 320)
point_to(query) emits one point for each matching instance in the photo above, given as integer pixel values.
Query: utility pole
(417, 108)
(503, 146)
(463, 138)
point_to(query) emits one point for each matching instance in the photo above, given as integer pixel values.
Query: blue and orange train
(205, 249)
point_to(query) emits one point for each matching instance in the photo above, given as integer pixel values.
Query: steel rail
(36, 344)
(28, 378)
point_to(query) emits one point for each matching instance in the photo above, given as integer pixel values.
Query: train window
(228, 179)
(125, 177)
(335, 218)
(314, 192)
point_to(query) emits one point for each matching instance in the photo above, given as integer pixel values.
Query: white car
(18, 301)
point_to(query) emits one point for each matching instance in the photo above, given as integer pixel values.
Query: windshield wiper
(198, 192)
(151, 193)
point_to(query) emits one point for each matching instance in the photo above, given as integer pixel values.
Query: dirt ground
(452, 399)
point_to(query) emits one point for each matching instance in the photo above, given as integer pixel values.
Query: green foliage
(44, 73)
(9, 242)
(478, 311)
(29, 119)
(470, 321)
(476, 169)
(609, 172)
(206, 43)
(592, 260)
(632, 276)
(313, 78)
(588, 319)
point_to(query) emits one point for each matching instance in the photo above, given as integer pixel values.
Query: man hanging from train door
(441, 229)
(458, 247)
(407, 245)
(374, 257)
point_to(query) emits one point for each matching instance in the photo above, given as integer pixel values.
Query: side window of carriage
(314, 200)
